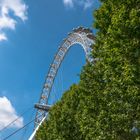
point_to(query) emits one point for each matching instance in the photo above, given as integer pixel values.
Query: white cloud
(3, 37)
(88, 4)
(68, 3)
(18, 8)
(83, 3)
(8, 114)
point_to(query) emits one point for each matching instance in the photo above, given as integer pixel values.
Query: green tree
(105, 105)
(61, 123)
(111, 87)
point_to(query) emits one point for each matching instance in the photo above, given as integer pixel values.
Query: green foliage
(61, 123)
(105, 105)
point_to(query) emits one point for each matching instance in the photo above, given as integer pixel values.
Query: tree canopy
(105, 105)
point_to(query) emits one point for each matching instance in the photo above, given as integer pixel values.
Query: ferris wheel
(80, 35)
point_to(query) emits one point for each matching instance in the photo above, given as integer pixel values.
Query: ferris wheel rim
(80, 35)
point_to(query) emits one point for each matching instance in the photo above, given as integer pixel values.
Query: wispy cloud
(82, 3)
(2, 37)
(8, 114)
(18, 8)
(87, 4)
(68, 3)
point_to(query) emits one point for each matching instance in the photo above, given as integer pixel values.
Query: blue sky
(30, 34)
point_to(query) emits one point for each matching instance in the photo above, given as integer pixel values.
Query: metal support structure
(80, 35)
(43, 107)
